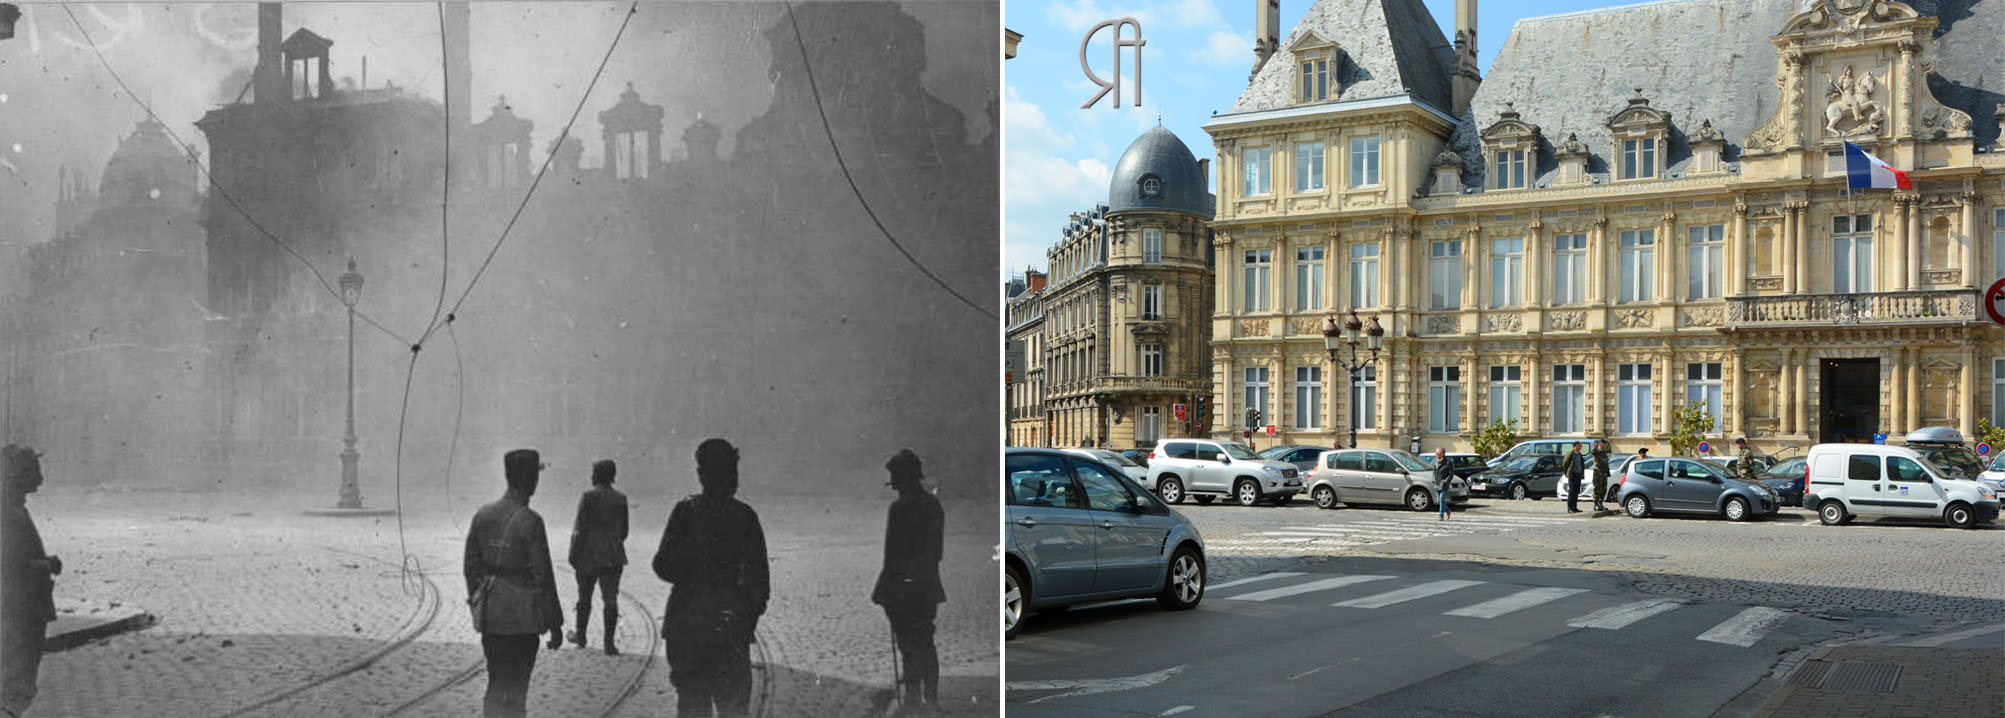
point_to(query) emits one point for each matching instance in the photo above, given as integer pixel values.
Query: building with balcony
(1639, 208)
(1023, 360)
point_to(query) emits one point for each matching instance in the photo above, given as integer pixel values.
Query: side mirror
(1223, 459)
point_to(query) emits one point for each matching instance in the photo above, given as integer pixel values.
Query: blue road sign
(1879, 438)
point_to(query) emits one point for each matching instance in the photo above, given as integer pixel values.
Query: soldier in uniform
(1572, 466)
(1600, 473)
(598, 551)
(510, 588)
(714, 553)
(909, 586)
(27, 603)
(1745, 466)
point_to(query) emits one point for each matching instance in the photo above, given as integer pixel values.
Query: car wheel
(1185, 585)
(1247, 491)
(1959, 515)
(1637, 505)
(1518, 491)
(1832, 513)
(1204, 499)
(1736, 509)
(1418, 500)
(1016, 595)
(1170, 489)
(1326, 497)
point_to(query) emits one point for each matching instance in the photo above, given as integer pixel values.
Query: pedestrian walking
(1600, 473)
(510, 588)
(599, 552)
(1745, 465)
(714, 554)
(27, 603)
(1573, 466)
(909, 585)
(1444, 477)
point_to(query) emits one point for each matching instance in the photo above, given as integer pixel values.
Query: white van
(1851, 479)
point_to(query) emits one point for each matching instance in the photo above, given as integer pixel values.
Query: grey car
(1680, 485)
(1078, 530)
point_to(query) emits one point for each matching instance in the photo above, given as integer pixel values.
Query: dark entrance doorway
(1849, 393)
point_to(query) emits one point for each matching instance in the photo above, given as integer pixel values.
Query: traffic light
(1252, 417)
(1199, 410)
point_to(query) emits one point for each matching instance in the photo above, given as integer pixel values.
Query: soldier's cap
(1741, 440)
(603, 471)
(522, 461)
(904, 464)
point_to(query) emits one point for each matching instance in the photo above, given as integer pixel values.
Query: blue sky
(1057, 156)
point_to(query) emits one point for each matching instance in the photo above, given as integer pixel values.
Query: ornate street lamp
(1335, 338)
(351, 491)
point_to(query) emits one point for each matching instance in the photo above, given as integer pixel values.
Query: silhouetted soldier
(714, 553)
(510, 587)
(599, 552)
(27, 601)
(909, 586)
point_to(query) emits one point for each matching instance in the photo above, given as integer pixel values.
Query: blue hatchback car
(1681, 485)
(1077, 530)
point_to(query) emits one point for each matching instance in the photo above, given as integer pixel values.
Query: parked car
(1788, 478)
(1078, 530)
(1530, 476)
(1851, 479)
(1377, 476)
(1303, 457)
(1994, 477)
(1541, 447)
(1114, 459)
(1615, 466)
(1681, 485)
(1731, 462)
(1209, 468)
(1463, 465)
(1944, 447)
(1139, 455)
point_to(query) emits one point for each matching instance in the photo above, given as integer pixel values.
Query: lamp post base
(351, 490)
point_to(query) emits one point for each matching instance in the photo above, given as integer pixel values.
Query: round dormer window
(1152, 188)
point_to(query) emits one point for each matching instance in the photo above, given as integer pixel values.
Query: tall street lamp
(1335, 338)
(351, 492)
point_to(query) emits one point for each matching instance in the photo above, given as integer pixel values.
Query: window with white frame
(1569, 398)
(1639, 158)
(1997, 392)
(1508, 169)
(1569, 268)
(1364, 274)
(1638, 259)
(1364, 399)
(1998, 245)
(1507, 394)
(1150, 427)
(1258, 271)
(1152, 360)
(1444, 274)
(1308, 166)
(1152, 301)
(1316, 80)
(1702, 386)
(1152, 245)
(1364, 161)
(1256, 390)
(1852, 253)
(1308, 278)
(1705, 260)
(1308, 397)
(1632, 398)
(1444, 399)
(1253, 165)
(1507, 271)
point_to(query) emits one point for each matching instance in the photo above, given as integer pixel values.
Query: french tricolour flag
(1864, 171)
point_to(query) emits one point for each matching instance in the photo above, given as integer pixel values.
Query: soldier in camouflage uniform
(1600, 473)
(27, 603)
(1746, 466)
(714, 552)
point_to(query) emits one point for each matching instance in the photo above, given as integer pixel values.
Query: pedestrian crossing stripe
(1515, 602)
(1320, 584)
(1409, 593)
(1625, 614)
(1254, 579)
(1745, 628)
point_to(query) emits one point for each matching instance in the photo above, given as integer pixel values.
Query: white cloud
(1046, 177)
(1194, 13)
(1225, 48)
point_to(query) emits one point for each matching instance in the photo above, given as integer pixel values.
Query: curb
(71, 631)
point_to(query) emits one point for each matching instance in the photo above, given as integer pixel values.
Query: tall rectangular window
(1152, 360)
(1507, 394)
(1569, 398)
(1150, 427)
(1259, 270)
(1569, 268)
(1256, 390)
(1364, 399)
(1152, 245)
(1152, 301)
(1444, 399)
(1254, 164)
(1998, 246)
(1997, 393)
(1639, 158)
(1638, 260)
(1705, 260)
(1316, 80)
(1852, 253)
(1444, 274)
(1364, 274)
(1632, 398)
(1509, 170)
(1308, 397)
(1507, 272)
(1364, 161)
(1308, 278)
(1308, 166)
(1702, 386)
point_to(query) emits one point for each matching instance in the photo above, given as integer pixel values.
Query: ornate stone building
(1023, 337)
(1639, 208)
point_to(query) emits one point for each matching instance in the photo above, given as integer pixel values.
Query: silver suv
(1378, 476)
(1208, 468)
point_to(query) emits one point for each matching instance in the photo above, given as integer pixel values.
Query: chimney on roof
(1267, 33)
(1467, 78)
(268, 78)
(1034, 279)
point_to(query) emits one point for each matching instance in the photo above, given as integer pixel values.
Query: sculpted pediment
(1852, 70)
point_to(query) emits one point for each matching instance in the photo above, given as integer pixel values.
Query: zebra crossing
(1743, 629)
(1312, 538)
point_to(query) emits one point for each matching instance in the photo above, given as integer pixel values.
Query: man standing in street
(599, 552)
(1573, 466)
(1745, 466)
(1600, 473)
(1444, 477)
(27, 603)
(714, 552)
(909, 586)
(510, 587)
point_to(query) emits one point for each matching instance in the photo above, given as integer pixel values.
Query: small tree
(1692, 426)
(1993, 435)
(1496, 438)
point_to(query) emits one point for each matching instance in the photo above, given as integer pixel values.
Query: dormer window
(1316, 80)
(1152, 187)
(1508, 169)
(306, 72)
(1640, 134)
(1639, 158)
(632, 132)
(1315, 68)
(1512, 149)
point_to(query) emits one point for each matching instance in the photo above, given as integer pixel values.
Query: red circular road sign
(1984, 449)
(1994, 301)
(1705, 447)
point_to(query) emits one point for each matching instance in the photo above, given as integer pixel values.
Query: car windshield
(1428, 460)
(1408, 462)
(1522, 463)
(1239, 451)
(1998, 464)
(1953, 461)
(1275, 453)
(1115, 459)
(1791, 467)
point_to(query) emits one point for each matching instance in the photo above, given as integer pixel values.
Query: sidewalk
(1892, 681)
(79, 623)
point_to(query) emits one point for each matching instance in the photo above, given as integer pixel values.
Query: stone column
(1786, 394)
(1914, 417)
(1896, 404)
(1966, 411)
(1737, 262)
(1332, 273)
(1914, 242)
(1900, 248)
(1469, 389)
(1535, 263)
(1469, 273)
(1736, 395)
(1803, 279)
(1478, 262)
(1903, 84)
(1788, 241)
(1597, 397)
(1669, 404)
(1968, 230)
(1532, 384)
(1387, 272)
(1224, 304)
(1668, 251)
(1803, 392)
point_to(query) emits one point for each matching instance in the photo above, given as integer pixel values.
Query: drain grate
(1863, 677)
(1810, 674)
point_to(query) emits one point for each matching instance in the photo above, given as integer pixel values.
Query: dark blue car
(1787, 479)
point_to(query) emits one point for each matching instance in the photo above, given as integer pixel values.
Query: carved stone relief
(1503, 323)
(1635, 318)
(1252, 327)
(1305, 325)
(1849, 105)
(1703, 316)
(1566, 321)
(1442, 324)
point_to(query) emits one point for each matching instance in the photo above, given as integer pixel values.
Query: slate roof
(1160, 153)
(1699, 60)
(1390, 47)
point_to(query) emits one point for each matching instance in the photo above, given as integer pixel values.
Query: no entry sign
(1994, 302)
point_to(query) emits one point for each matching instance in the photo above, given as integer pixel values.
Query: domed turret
(1159, 172)
(148, 168)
